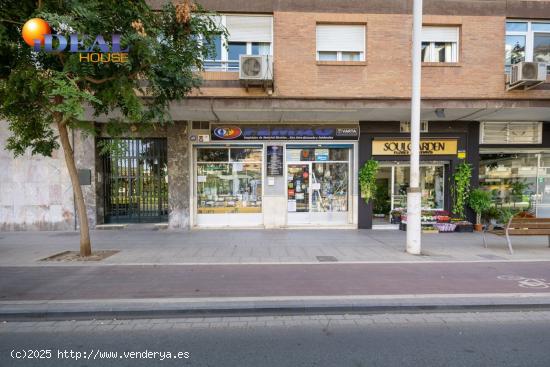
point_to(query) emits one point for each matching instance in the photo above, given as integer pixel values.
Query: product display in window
(318, 179)
(233, 186)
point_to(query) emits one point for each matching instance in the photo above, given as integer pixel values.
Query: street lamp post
(413, 194)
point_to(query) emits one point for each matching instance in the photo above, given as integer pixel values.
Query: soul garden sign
(37, 34)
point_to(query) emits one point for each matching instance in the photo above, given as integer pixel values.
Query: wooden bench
(526, 227)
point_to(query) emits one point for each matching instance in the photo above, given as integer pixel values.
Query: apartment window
(339, 42)
(511, 133)
(248, 35)
(527, 41)
(440, 44)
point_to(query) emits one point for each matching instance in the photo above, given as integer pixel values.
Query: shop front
(274, 176)
(442, 147)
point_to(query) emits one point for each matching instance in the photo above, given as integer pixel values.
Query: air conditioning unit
(256, 69)
(527, 75)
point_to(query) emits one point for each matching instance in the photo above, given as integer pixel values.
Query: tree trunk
(85, 245)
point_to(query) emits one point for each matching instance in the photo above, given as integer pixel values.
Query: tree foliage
(166, 51)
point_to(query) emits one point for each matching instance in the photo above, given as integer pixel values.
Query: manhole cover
(326, 258)
(491, 257)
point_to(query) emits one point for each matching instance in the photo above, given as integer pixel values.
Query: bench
(525, 227)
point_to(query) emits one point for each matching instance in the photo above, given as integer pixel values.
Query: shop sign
(274, 160)
(403, 147)
(284, 132)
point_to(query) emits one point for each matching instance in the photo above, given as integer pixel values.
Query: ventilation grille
(511, 133)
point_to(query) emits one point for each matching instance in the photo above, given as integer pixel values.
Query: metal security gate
(136, 184)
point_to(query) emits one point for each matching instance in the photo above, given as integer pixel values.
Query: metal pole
(413, 194)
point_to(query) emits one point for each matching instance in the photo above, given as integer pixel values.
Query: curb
(263, 306)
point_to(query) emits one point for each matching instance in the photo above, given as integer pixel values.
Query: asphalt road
(174, 281)
(463, 339)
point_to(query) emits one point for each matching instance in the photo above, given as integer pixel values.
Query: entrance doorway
(135, 185)
(318, 185)
(392, 184)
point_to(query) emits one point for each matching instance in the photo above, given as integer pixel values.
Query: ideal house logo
(37, 34)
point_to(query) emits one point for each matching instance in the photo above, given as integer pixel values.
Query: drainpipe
(413, 194)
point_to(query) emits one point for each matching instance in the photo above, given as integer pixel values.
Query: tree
(44, 94)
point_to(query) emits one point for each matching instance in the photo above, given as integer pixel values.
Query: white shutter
(511, 133)
(439, 34)
(243, 28)
(525, 132)
(340, 37)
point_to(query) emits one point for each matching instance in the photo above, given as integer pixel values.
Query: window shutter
(511, 133)
(248, 28)
(340, 37)
(439, 34)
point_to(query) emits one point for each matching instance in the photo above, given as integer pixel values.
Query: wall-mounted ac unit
(256, 69)
(527, 75)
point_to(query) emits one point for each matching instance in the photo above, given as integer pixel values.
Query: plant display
(479, 200)
(381, 200)
(518, 188)
(505, 214)
(460, 188)
(367, 179)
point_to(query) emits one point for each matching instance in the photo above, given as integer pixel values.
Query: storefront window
(318, 179)
(511, 178)
(229, 180)
(431, 185)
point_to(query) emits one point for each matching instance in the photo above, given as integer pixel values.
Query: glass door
(318, 183)
(298, 187)
(431, 186)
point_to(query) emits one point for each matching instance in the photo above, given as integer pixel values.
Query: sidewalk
(263, 246)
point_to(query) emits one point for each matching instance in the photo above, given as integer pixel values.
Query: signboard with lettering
(275, 160)
(284, 132)
(403, 147)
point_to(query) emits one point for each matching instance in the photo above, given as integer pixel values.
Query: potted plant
(479, 200)
(367, 179)
(491, 215)
(396, 216)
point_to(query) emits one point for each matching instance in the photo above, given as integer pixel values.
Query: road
(173, 281)
(432, 339)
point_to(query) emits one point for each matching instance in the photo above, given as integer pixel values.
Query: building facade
(285, 151)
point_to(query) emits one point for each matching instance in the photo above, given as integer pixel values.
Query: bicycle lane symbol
(535, 283)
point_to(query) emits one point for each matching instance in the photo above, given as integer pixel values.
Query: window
(439, 44)
(248, 35)
(511, 133)
(527, 41)
(229, 180)
(405, 126)
(340, 42)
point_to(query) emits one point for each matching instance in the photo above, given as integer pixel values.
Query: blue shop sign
(284, 132)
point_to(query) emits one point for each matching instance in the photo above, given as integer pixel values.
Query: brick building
(285, 151)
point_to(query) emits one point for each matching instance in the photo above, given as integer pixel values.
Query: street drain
(326, 258)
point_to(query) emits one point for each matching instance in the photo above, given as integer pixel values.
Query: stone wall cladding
(35, 191)
(179, 174)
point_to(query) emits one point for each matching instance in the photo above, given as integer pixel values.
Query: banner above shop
(284, 132)
(403, 147)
